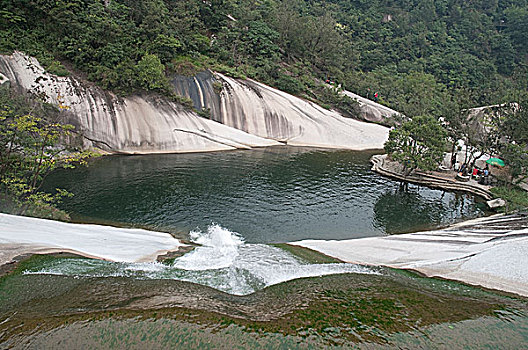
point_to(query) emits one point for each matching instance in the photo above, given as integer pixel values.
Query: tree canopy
(420, 55)
(418, 143)
(31, 146)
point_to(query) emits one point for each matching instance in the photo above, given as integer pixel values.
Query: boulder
(496, 203)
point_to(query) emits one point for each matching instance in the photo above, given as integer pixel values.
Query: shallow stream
(222, 260)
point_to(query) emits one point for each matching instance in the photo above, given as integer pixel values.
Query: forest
(421, 56)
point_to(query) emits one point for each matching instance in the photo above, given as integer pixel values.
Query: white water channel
(222, 261)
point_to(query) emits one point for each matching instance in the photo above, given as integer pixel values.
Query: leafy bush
(182, 100)
(58, 69)
(185, 65)
(218, 87)
(418, 143)
(333, 97)
(289, 84)
(30, 148)
(151, 73)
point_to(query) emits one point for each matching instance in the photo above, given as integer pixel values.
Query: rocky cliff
(136, 124)
(270, 113)
(244, 114)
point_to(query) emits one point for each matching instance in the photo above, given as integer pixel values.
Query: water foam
(219, 249)
(222, 261)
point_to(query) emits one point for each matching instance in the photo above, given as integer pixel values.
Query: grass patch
(187, 66)
(515, 197)
(229, 71)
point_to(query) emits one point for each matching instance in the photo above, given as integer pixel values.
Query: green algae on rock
(337, 310)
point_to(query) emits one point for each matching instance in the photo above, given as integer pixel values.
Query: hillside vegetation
(422, 56)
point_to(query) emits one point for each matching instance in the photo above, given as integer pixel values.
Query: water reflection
(424, 208)
(277, 194)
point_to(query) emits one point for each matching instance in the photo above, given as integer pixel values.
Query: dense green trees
(418, 54)
(424, 58)
(495, 131)
(513, 148)
(150, 73)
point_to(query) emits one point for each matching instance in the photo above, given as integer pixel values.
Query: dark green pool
(275, 194)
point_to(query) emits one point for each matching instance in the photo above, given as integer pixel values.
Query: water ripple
(269, 195)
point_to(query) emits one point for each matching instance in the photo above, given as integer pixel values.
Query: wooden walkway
(435, 179)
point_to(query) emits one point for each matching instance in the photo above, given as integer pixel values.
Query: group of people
(481, 175)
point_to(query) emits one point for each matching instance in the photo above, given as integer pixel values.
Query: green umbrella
(495, 161)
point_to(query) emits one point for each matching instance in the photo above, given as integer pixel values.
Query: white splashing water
(222, 261)
(219, 249)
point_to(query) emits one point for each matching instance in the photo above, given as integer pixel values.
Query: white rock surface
(370, 110)
(21, 235)
(496, 203)
(247, 113)
(490, 252)
(270, 113)
(259, 109)
(128, 125)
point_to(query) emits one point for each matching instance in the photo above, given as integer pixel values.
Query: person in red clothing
(475, 172)
(376, 95)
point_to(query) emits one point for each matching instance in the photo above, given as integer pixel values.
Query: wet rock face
(136, 124)
(200, 89)
(239, 114)
(266, 112)
(234, 103)
(208, 92)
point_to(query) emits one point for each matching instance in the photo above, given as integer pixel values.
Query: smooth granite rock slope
(245, 114)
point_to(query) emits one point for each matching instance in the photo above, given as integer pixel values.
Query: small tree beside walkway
(418, 144)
